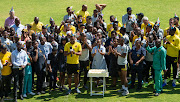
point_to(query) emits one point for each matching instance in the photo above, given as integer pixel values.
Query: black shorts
(122, 67)
(83, 65)
(62, 67)
(72, 68)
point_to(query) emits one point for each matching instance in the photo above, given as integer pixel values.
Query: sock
(165, 81)
(174, 80)
(123, 87)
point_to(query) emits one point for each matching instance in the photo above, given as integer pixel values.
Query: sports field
(26, 10)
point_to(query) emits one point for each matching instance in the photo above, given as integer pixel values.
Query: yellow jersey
(6, 57)
(143, 26)
(177, 32)
(173, 47)
(135, 37)
(110, 25)
(72, 28)
(73, 58)
(36, 27)
(84, 15)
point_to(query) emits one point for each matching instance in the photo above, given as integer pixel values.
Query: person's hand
(22, 66)
(28, 64)
(168, 42)
(95, 51)
(147, 43)
(5, 64)
(61, 51)
(131, 62)
(10, 64)
(50, 69)
(115, 50)
(36, 50)
(99, 51)
(137, 63)
(110, 29)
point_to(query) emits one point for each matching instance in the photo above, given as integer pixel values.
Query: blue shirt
(136, 55)
(46, 49)
(18, 29)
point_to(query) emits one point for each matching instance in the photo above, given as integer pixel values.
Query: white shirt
(85, 52)
(122, 49)
(99, 60)
(19, 58)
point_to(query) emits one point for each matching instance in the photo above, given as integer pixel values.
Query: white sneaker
(38, 93)
(24, 95)
(31, 93)
(78, 91)
(43, 92)
(125, 93)
(121, 90)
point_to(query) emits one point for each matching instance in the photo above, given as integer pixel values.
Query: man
(19, 61)
(139, 19)
(145, 23)
(158, 32)
(45, 47)
(5, 57)
(136, 58)
(122, 52)
(94, 16)
(171, 24)
(10, 20)
(45, 33)
(84, 58)
(159, 64)
(6, 41)
(128, 19)
(176, 21)
(84, 13)
(73, 50)
(52, 63)
(88, 21)
(39, 65)
(18, 27)
(71, 16)
(51, 29)
(172, 45)
(36, 26)
(16, 40)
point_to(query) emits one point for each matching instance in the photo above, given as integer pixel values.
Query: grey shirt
(122, 49)
(128, 22)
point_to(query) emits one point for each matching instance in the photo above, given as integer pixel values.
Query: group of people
(40, 55)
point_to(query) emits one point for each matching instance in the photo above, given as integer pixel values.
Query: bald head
(36, 20)
(158, 43)
(17, 22)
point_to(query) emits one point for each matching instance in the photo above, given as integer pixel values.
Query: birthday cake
(98, 73)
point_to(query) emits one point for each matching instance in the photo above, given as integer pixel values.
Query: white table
(98, 73)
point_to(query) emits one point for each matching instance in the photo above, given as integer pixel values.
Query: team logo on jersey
(138, 55)
(75, 46)
(159, 50)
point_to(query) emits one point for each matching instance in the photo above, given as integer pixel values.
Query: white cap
(145, 18)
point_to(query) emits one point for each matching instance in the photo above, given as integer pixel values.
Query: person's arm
(94, 51)
(150, 50)
(163, 59)
(130, 59)
(89, 46)
(35, 58)
(25, 60)
(142, 57)
(80, 50)
(176, 45)
(103, 52)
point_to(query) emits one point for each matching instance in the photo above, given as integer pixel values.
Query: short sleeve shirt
(73, 58)
(136, 55)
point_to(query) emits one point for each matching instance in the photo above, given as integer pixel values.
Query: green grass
(26, 10)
